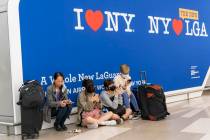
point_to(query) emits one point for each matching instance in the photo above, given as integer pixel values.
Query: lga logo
(96, 18)
(188, 24)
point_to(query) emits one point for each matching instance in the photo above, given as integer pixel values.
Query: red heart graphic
(177, 26)
(94, 19)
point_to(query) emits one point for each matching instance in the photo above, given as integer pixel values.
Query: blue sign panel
(167, 39)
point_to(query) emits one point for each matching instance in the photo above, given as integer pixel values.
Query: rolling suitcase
(31, 102)
(31, 122)
(151, 100)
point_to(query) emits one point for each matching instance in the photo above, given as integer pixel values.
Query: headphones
(111, 87)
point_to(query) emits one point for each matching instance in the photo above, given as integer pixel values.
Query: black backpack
(152, 102)
(31, 95)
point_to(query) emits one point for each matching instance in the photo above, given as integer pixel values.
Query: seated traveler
(123, 82)
(58, 101)
(112, 101)
(89, 108)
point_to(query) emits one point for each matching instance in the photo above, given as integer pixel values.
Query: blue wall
(51, 43)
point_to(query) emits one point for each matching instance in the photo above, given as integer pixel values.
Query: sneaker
(136, 116)
(120, 121)
(92, 126)
(139, 113)
(108, 123)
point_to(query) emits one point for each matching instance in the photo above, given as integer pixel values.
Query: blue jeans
(130, 100)
(62, 114)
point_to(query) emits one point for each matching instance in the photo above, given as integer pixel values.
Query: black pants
(61, 114)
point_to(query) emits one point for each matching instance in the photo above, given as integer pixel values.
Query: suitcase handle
(143, 77)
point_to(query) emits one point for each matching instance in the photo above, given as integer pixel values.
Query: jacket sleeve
(120, 98)
(109, 103)
(52, 103)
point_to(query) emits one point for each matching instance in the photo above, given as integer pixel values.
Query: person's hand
(125, 86)
(95, 98)
(62, 104)
(127, 83)
(117, 91)
(121, 87)
(67, 102)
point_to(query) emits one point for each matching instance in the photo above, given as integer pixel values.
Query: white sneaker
(108, 123)
(92, 126)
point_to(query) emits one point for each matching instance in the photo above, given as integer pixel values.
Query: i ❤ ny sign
(95, 20)
(187, 23)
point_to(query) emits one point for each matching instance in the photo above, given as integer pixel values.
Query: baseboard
(181, 97)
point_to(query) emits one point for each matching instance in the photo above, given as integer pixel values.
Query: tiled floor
(189, 120)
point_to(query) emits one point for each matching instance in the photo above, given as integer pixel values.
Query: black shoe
(136, 115)
(64, 128)
(139, 113)
(57, 127)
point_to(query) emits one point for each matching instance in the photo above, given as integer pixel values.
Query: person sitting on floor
(123, 82)
(89, 108)
(112, 101)
(58, 101)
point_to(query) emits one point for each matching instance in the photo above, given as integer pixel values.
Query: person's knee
(69, 109)
(63, 109)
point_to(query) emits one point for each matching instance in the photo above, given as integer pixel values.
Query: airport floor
(188, 120)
